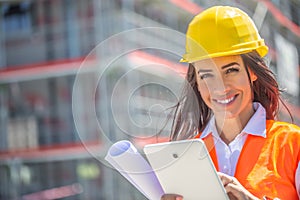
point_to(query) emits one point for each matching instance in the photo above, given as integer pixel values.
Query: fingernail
(179, 198)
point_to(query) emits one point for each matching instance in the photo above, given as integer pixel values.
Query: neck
(229, 128)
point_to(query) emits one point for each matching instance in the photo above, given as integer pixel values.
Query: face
(224, 86)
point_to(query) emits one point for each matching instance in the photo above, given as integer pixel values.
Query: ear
(253, 76)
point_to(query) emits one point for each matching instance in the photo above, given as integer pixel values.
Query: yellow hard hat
(222, 31)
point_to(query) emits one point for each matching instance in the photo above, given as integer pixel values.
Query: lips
(226, 101)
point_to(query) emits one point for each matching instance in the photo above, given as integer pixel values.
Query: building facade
(79, 75)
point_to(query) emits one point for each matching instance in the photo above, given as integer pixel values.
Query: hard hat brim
(262, 51)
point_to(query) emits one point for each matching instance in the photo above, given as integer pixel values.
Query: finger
(234, 191)
(231, 196)
(171, 197)
(226, 179)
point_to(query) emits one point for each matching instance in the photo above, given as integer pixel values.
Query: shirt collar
(255, 126)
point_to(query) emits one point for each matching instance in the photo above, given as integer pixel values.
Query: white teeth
(225, 101)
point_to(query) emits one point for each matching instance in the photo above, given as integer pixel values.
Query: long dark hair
(191, 115)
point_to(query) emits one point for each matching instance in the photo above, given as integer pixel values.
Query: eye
(232, 70)
(206, 75)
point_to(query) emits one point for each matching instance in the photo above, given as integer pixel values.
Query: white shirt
(228, 155)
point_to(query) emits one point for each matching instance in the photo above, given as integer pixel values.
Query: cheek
(244, 84)
(204, 91)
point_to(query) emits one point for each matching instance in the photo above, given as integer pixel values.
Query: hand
(171, 197)
(234, 188)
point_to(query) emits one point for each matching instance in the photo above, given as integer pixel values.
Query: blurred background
(51, 146)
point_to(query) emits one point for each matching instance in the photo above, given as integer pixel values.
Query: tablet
(185, 168)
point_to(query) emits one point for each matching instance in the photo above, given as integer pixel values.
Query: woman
(237, 100)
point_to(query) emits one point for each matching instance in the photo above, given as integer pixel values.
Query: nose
(220, 86)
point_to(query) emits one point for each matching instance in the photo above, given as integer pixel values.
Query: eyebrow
(229, 65)
(204, 70)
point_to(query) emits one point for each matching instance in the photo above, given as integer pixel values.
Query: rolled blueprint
(125, 158)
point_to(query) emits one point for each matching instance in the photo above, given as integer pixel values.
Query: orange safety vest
(267, 166)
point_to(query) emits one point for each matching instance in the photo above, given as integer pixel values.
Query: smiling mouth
(226, 101)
